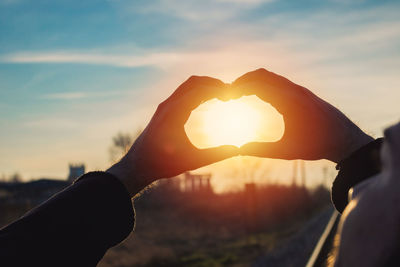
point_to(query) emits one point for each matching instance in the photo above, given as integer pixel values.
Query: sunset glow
(234, 122)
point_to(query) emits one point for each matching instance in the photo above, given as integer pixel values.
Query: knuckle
(191, 80)
(194, 78)
(162, 105)
(261, 71)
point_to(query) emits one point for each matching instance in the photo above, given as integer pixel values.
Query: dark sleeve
(73, 228)
(362, 164)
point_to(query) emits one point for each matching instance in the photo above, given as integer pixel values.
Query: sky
(74, 73)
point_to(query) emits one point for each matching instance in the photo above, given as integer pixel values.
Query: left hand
(163, 149)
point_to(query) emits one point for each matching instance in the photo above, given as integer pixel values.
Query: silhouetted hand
(314, 129)
(163, 149)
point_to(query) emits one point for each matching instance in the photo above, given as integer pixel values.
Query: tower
(75, 170)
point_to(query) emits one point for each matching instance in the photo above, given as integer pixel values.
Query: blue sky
(73, 73)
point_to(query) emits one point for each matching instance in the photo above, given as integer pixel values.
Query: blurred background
(79, 80)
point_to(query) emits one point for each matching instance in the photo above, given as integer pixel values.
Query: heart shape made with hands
(234, 122)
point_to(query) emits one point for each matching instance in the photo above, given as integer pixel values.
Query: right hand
(314, 129)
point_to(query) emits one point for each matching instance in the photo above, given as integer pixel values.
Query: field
(175, 228)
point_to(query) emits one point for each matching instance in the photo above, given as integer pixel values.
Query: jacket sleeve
(73, 228)
(360, 165)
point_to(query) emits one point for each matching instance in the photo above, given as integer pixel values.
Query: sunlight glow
(234, 122)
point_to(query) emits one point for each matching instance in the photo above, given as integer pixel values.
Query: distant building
(197, 182)
(170, 184)
(75, 170)
(33, 192)
(37, 191)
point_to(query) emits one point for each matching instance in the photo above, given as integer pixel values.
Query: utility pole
(296, 165)
(294, 177)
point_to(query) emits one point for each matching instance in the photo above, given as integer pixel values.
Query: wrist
(352, 143)
(354, 169)
(125, 171)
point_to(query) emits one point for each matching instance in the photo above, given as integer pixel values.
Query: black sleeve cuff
(360, 165)
(111, 203)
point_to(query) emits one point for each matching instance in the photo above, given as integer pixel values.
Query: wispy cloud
(314, 38)
(81, 95)
(91, 58)
(52, 123)
(193, 10)
(66, 95)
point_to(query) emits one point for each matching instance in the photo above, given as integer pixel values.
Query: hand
(163, 149)
(314, 129)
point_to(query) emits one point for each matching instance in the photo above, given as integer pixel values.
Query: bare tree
(121, 142)
(15, 178)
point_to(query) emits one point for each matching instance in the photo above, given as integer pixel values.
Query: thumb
(215, 154)
(265, 149)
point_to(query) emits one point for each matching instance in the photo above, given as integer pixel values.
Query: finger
(194, 83)
(204, 88)
(229, 93)
(277, 150)
(194, 92)
(262, 75)
(211, 155)
(272, 88)
(259, 82)
(199, 94)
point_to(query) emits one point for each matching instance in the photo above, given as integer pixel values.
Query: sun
(232, 122)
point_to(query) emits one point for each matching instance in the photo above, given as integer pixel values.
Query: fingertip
(226, 151)
(248, 149)
(261, 70)
(229, 92)
(263, 149)
(245, 89)
(230, 149)
(215, 154)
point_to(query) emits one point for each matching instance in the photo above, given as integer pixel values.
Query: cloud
(89, 58)
(81, 95)
(66, 96)
(206, 10)
(52, 123)
(317, 38)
